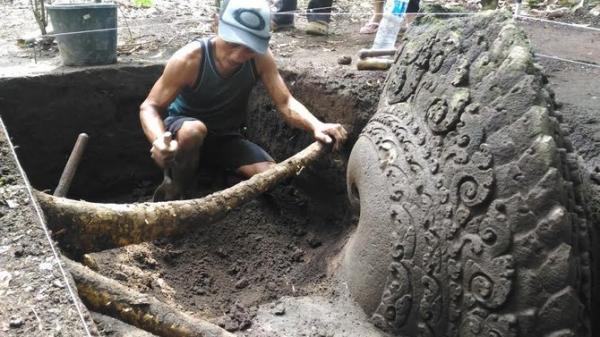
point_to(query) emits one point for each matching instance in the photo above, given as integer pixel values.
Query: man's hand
(328, 132)
(163, 150)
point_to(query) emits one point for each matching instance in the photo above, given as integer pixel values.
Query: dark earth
(278, 247)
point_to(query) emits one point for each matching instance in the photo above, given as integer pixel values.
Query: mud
(261, 252)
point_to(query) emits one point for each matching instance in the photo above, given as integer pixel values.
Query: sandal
(369, 28)
(317, 28)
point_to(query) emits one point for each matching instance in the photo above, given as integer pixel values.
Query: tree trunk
(81, 227)
(144, 311)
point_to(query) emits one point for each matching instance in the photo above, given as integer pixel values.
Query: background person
(373, 24)
(318, 14)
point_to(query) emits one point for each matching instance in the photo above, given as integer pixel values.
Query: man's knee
(191, 134)
(256, 168)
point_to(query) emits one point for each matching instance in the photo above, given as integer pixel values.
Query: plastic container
(86, 32)
(393, 14)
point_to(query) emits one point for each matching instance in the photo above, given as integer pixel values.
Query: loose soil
(270, 260)
(37, 297)
(278, 245)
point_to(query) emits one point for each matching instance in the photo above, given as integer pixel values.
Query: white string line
(298, 13)
(197, 20)
(578, 26)
(333, 14)
(120, 28)
(568, 60)
(302, 13)
(538, 54)
(43, 223)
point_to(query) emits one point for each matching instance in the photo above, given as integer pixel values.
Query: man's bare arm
(176, 76)
(180, 71)
(293, 112)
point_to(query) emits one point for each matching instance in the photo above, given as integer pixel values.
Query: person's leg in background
(318, 14)
(411, 13)
(283, 17)
(373, 24)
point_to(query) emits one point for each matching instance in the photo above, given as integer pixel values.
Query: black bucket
(86, 32)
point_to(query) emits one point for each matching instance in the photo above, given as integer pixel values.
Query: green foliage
(143, 3)
(534, 3)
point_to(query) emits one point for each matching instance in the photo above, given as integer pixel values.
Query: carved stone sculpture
(473, 214)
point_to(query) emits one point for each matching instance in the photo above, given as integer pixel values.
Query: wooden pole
(64, 184)
(374, 64)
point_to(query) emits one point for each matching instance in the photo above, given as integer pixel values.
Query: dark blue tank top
(220, 103)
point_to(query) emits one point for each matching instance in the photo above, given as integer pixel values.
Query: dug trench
(476, 217)
(280, 244)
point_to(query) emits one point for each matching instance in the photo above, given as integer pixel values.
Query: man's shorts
(228, 151)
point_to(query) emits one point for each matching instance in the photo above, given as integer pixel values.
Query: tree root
(144, 311)
(81, 227)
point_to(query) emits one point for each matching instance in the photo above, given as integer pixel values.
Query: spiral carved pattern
(442, 116)
(466, 215)
(473, 186)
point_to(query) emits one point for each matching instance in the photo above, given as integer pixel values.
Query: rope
(572, 25)
(298, 12)
(568, 60)
(44, 227)
(195, 20)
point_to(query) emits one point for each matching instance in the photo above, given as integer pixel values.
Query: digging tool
(364, 53)
(64, 183)
(168, 189)
(374, 64)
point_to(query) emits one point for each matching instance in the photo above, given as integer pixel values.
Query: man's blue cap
(247, 22)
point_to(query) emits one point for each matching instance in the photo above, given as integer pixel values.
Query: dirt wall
(37, 297)
(44, 114)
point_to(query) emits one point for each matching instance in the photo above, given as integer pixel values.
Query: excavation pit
(276, 248)
(477, 216)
